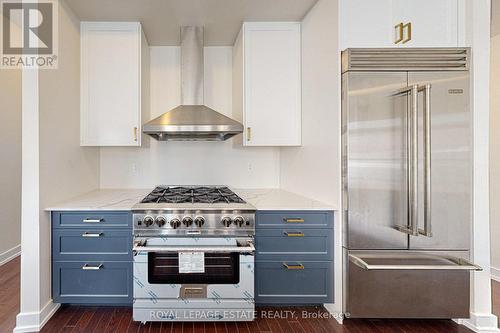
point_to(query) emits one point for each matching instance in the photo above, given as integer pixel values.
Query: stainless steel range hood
(192, 120)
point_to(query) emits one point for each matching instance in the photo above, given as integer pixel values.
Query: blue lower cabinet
(288, 219)
(92, 282)
(294, 257)
(294, 244)
(99, 219)
(92, 244)
(294, 282)
(92, 257)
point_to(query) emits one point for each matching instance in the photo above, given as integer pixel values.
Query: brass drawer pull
(87, 267)
(293, 267)
(293, 220)
(89, 220)
(90, 234)
(400, 32)
(408, 35)
(294, 234)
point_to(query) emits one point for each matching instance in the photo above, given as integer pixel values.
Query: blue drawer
(110, 284)
(277, 284)
(92, 244)
(290, 219)
(294, 244)
(104, 219)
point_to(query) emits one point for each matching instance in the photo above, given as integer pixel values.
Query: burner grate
(184, 194)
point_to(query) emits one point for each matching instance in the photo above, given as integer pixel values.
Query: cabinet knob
(135, 134)
(249, 133)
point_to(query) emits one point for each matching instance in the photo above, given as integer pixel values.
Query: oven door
(228, 273)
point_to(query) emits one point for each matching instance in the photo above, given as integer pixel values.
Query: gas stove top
(187, 194)
(193, 210)
(175, 197)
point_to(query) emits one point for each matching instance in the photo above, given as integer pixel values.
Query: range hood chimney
(192, 120)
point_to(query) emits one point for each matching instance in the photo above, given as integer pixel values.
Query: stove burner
(182, 194)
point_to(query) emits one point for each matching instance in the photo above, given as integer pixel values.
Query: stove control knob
(160, 221)
(226, 221)
(175, 223)
(239, 221)
(148, 221)
(199, 221)
(187, 221)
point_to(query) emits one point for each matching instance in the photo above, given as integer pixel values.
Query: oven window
(220, 268)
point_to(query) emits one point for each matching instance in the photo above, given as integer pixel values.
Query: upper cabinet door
(270, 71)
(366, 23)
(111, 55)
(400, 23)
(426, 23)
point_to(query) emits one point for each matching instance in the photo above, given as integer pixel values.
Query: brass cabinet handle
(293, 267)
(400, 32)
(407, 26)
(89, 234)
(249, 133)
(89, 220)
(135, 134)
(294, 234)
(293, 220)
(88, 267)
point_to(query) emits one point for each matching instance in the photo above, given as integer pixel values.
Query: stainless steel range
(193, 255)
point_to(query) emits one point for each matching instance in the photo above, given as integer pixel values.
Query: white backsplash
(190, 162)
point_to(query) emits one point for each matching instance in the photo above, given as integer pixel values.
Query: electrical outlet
(133, 168)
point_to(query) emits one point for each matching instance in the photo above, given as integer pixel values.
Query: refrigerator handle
(427, 231)
(449, 263)
(411, 159)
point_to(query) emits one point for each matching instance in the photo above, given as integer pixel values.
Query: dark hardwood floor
(9, 294)
(495, 295)
(119, 319)
(106, 319)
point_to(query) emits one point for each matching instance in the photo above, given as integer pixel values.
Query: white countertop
(278, 199)
(124, 199)
(117, 199)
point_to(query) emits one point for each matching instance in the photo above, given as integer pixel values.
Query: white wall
(313, 169)
(10, 177)
(189, 162)
(495, 155)
(55, 167)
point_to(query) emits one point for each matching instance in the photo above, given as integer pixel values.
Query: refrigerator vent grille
(409, 59)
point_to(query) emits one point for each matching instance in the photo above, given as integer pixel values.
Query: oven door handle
(250, 248)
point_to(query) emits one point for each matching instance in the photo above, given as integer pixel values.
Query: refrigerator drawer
(408, 285)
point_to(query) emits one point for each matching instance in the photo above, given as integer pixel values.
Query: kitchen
(260, 180)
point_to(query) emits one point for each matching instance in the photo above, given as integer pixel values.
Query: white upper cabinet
(267, 83)
(401, 23)
(114, 83)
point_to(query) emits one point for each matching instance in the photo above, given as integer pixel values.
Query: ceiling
(161, 19)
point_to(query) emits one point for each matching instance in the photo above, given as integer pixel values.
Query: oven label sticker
(191, 262)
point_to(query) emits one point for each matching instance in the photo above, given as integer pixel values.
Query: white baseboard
(10, 254)
(481, 323)
(34, 321)
(495, 274)
(335, 312)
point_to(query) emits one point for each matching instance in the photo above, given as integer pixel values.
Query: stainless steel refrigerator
(407, 182)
